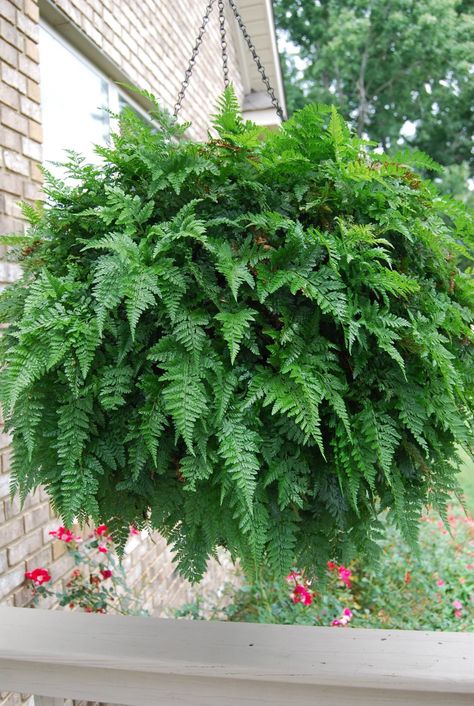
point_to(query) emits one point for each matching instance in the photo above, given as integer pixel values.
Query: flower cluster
(344, 619)
(301, 593)
(344, 573)
(65, 535)
(93, 586)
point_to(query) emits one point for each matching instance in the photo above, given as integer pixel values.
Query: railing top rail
(57, 641)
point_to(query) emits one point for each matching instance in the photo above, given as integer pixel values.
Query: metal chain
(192, 60)
(258, 61)
(250, 44)
(225, 66)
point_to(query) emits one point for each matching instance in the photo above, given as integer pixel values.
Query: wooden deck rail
(154, 662)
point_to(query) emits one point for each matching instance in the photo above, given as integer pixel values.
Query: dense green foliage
(432, 589)
(259, 342)
(384, 63)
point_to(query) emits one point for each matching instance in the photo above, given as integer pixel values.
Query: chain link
(192, 61)
(222, 29)
(225, 57)
(258, 61)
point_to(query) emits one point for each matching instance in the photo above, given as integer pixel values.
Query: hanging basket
(260, 342)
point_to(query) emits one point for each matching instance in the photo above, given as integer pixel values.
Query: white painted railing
(152, 662)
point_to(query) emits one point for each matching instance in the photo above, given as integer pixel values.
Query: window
(75, 97)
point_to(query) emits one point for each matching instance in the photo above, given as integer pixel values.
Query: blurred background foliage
(401, 70)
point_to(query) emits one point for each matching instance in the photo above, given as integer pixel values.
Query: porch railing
(156, 662)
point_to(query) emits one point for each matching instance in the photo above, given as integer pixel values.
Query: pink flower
(457, 605)
(440, 582)
(103, 550)
(38, 576)
(335, 623)
(133, 530)
(347, 612)
(293, 576)
(470, 566)
(345, 575)
(458, 613)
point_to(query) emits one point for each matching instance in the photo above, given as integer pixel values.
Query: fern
(262, 342)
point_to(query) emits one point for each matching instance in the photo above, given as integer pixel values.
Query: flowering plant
(98, 583)
(432, 589)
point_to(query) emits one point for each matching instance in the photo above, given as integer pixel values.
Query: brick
(33, 90)
(36, 517)
(31, 192)
(62, 566)
(12, 507)
(16, 162)
(10, 34)
(35, 131)
(29, 27)
(31, 148)
(35, 172)
(8, 53)
(4, 485)
(2, 514)
(32, 10)
(10, 225)
(59, 549)
(10, 139)
(32, 50)
(18, 551)
(9, 96)
(10, 531)
(11, 118)
(41, 558)
(7, 10)
(6, 456)
(14, 78)
(22, 597)
(11, 580)
(29, 67)
(3, 562)
(30, 108)
(12, 183)
(11, 208)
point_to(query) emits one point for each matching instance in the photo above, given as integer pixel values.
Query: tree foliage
(260, 342)
(384, 63)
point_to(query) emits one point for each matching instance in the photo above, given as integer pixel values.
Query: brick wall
(151, 41)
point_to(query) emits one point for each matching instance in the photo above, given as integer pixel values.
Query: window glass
(73, 98)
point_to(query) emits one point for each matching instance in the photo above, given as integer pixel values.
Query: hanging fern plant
(258, 342)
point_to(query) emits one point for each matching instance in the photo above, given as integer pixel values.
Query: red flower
(103, 550)
(133, 530)
(331, 565)
(302, 595)
(38, 576)
(106, 573)
(64, 534)
(101, 530)
(407, 577)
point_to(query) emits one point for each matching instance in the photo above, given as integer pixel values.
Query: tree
(385, 63)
